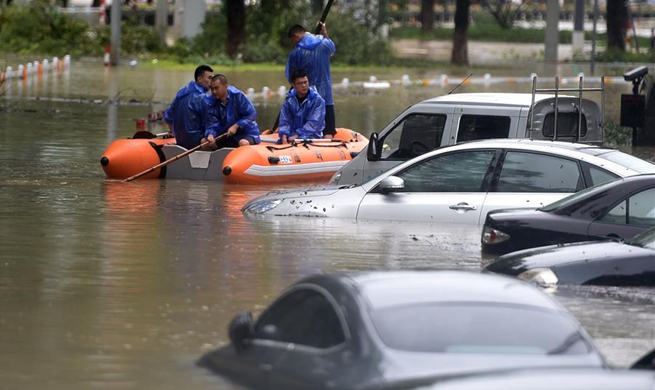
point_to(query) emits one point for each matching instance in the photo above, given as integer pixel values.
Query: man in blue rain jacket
(312, 54)
(303, 111)
(184, 116)
(228, 110)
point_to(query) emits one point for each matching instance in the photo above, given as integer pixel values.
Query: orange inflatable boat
(309, 160)
(127, 157)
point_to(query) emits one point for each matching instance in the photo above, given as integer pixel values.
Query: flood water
(112, 285)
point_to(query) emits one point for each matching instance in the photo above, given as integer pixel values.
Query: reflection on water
(107, 284)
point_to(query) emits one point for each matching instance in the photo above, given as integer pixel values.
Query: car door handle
(266, 367)
(462, 206)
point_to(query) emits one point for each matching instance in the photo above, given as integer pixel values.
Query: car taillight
(493, 236)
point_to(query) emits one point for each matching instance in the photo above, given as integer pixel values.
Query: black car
(618, 209)
(380, 330)
(630, 263)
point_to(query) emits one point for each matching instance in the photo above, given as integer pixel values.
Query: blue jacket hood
(310, 41)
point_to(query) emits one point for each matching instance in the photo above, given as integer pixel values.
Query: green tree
(427, 15)
(460, 54)
(504, 12)
(236, 24)
(617, 22)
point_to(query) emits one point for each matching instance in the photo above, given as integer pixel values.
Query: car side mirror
(391, 184)
(373, 151)
(241, 330)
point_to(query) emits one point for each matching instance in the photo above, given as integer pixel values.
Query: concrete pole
(161, 20)
(116, 15)
(552, 30)
(578, 27)
(178, 19)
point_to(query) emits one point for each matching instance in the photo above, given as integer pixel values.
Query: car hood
(556, 255)
(301, 192)
(419, 369)
(326, 201)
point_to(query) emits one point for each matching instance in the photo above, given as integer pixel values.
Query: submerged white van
(454, 118)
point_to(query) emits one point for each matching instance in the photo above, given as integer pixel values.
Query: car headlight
(335, 178)
(541, 276)
(261, 206)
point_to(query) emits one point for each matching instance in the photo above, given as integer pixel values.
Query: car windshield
(628, 161)
(478, 328)
(645, 239)
(571, 199)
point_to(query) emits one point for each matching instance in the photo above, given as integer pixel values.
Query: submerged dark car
(553, 379)
(618, 209)
(641, 376)
(382, 330)
(630, 263)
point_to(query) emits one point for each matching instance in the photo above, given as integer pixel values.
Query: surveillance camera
(636, 73)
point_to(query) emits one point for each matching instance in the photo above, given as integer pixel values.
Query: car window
(598, 175)
(415, 135)
(478, 328)
(532, 172)
(575, 198)
(639, 209)
(645, 239)
(567, 125)
(473, 127)
(304, 317)
(456, 172)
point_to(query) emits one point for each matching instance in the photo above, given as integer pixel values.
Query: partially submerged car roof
(397, 288)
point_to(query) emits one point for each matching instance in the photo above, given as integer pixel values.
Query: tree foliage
(504, 12)
(268, 21)
(40, 28)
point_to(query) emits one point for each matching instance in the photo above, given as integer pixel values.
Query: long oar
(316, 31)
(170, 160)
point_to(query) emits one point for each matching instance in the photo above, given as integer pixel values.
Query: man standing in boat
(312, 53)
(303, 111)
(184, 116)
(228, 110)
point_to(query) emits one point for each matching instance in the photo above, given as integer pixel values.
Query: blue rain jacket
(306, 119)
(186, 117)
(238, 109)
(312, 54)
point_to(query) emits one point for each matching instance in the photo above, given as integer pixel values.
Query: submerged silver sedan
(461, 183)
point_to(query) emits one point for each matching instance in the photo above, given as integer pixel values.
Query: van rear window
(567, 125)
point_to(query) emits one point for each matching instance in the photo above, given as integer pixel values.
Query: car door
(417, 132)
(446, 188)
(311, 331)
(532, 179)
(628, 218)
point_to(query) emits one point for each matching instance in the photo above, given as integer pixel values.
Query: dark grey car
(387, 330)
(629, 263)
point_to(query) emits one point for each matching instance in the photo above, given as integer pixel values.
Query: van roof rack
(556, 91)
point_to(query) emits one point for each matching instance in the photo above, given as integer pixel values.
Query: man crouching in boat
(184, 115)
(303, 112)
(228, 110)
